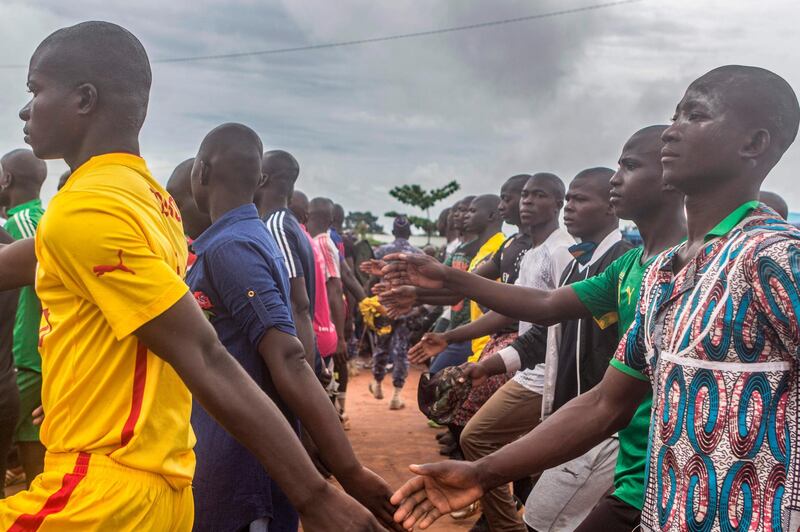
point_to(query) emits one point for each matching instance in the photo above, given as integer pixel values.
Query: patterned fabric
(719, 341)
(478, 395)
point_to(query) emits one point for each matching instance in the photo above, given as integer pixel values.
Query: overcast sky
(557, 94)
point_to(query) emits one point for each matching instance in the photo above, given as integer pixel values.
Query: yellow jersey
(485, 253)
(112, 256)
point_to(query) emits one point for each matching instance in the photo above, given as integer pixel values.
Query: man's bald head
(551, 183)
(105, 55)
(774, 202)
(179, 186)
(299, 206)
(484, 215)
(280, 169)
(338, 215)
(228, 162)
(90, 86)
(760, 99)
(598, 178)
(515, 183)
(647, 140)
(62, 180)
(25, 167)
(21, 177)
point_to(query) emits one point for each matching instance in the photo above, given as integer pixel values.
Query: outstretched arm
(298, 387)
(573, 430)
(17, 264)
(544, 307)
(185, 339)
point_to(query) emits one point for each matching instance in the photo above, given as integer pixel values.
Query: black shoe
(457, 455)
(447, 439)
(481, 525)
(447, 450)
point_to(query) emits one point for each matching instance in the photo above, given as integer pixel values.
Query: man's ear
(6, 179)
(263, 180)
(205, 173)
(87, 98)
(757, 145)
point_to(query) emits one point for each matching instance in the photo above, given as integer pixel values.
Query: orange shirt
(112, 256)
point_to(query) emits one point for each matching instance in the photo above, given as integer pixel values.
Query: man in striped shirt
(20, 186)
(272, 200)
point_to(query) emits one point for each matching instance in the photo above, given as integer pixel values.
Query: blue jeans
(453, 355)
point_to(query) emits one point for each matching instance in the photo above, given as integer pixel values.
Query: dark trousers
(611, 515)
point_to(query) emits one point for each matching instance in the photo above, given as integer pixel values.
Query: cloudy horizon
(557, 94)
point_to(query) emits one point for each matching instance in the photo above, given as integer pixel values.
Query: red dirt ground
(387, 441)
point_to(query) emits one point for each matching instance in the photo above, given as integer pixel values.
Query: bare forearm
(569, 433)
(441, 296)
(17, 264)
(220, 384)
(351, 283)
(300, 390)
(544, 307)
(336, 303)
(489, 323)
(305, 333)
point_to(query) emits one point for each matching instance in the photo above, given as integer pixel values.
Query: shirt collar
(732, 220)
(125, 159)
(243, 212)
(610, 239)
(32, 204)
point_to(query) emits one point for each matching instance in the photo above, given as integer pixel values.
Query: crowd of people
(183, 360)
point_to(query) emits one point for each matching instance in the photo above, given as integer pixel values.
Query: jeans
(453, 355)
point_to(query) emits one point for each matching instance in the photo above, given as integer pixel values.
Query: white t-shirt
(541, 268)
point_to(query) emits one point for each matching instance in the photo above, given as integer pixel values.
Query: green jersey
(22, 222)
(613, 295)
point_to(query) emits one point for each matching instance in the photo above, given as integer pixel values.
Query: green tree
(362, 223)
(416, 196)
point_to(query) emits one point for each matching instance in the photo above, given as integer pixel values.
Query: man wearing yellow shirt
(122, 341)
(483, 219)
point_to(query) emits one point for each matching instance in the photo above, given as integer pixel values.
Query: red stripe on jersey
(139, 379)
(57, 501)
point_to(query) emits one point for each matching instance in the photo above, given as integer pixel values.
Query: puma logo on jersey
(101, 270)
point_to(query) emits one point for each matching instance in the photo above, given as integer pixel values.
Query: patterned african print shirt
(719, 342)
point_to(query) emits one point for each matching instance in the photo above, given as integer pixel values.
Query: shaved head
(299, 206)
(338, 214)
(279, 164)
(21, 177)
(105, 55)
(90, 86)
(759, 98)
(179, 187)
(63, 179)
(26, 168)
(598, 179)
(228, 162)
(646, 140)
(233, 151)
(515, 183)
(774, 202)
(551, 183)
(487, 201)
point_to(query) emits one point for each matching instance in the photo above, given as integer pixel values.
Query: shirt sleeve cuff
(510, 358)
(627, 370)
